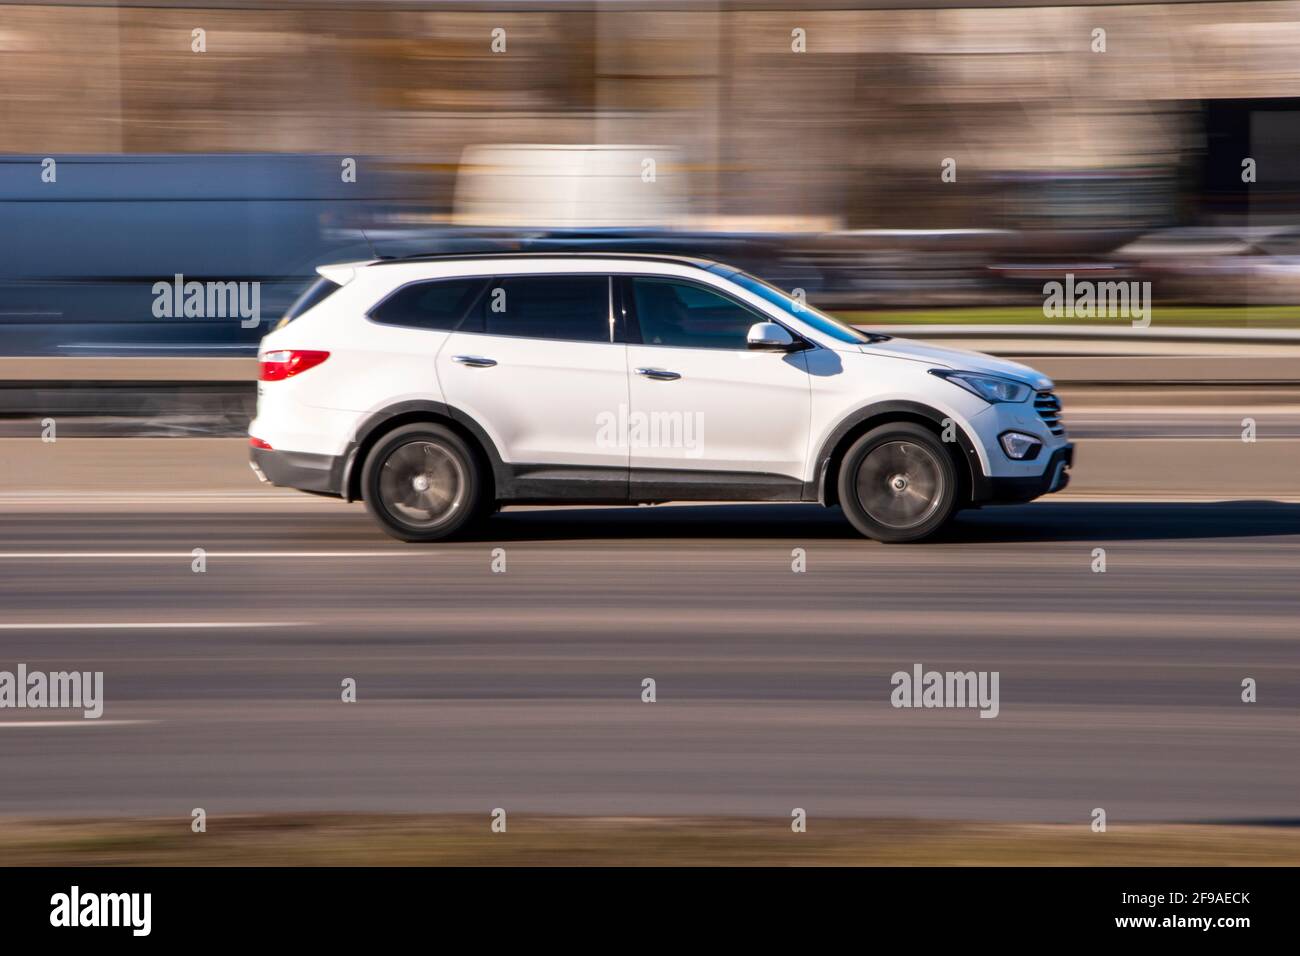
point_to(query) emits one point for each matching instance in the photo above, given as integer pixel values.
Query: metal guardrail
(1123, 333)
(132, 396)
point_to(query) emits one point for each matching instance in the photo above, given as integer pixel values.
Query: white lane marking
(187, 555)
(226, 494)
(1119, 498)
(151, 625)
(71, 723)
(168, 497)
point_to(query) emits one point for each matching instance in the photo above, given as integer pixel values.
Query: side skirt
(552, 484)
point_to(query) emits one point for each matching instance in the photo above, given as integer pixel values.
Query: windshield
(841, 331)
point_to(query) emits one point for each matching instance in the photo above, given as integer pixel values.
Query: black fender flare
(415, 409)
(861, 418)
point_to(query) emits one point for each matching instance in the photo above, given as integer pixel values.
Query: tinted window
(316, 293)
(441, 305)
(688, 316)
(572, 308)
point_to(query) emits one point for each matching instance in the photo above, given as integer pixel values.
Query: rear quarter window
(316, 293)
(436, 305)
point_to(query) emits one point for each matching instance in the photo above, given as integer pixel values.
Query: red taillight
(258, 443)
(283, 363)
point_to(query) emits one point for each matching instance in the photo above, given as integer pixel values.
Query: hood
(958, 359)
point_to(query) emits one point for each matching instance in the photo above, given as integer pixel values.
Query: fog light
(1020, 446)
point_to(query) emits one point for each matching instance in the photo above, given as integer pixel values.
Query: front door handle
(474, 361)
(659, 374)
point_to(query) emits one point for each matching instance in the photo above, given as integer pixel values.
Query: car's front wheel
(898, 483)
(422, 483)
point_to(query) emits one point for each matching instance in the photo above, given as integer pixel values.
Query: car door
(536, 366)
(701, 400)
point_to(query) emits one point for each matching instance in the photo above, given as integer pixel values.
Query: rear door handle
(474, 361)
(659, 374)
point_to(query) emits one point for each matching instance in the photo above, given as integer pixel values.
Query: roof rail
(697, 261)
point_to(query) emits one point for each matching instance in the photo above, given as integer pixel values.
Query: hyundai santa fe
(438, 389)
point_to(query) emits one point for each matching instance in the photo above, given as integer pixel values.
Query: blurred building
(805, 141)
(852, 131)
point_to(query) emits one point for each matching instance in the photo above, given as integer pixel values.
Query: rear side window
(441, 305)
(316, 293)
(568, 308)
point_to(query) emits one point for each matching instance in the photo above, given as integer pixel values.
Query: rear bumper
(322, 474)
(1055, 476)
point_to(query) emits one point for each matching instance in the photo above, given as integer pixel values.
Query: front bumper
(1055, 476)
(321, 474)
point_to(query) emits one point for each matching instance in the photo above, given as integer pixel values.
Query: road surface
(479, 689)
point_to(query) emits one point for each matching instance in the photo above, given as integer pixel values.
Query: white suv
(437, 389)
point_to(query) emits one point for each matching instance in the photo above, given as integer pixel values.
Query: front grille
(1048, 407)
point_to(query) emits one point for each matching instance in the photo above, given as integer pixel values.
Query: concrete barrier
(1067, 355)
(111, 369)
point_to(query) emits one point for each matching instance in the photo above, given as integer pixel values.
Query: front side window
(683, 315)
(441, 305)
(801, 310)
(565, 307)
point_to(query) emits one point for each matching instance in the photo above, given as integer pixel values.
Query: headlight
(1020, 446)
(988, 387)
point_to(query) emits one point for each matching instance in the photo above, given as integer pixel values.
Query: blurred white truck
(570, 187)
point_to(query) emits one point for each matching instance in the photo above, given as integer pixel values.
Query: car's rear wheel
(898, 483)
(422, 483)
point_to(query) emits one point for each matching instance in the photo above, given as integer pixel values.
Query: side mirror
(769, 337)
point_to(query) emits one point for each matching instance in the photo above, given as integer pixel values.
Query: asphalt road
(523, 689)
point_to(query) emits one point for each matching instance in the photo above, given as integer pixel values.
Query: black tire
(898, 483)
(422, 482)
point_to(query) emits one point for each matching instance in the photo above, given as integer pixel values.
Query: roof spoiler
(343, 272)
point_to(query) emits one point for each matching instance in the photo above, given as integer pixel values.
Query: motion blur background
(818, 170)
(821, 167)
